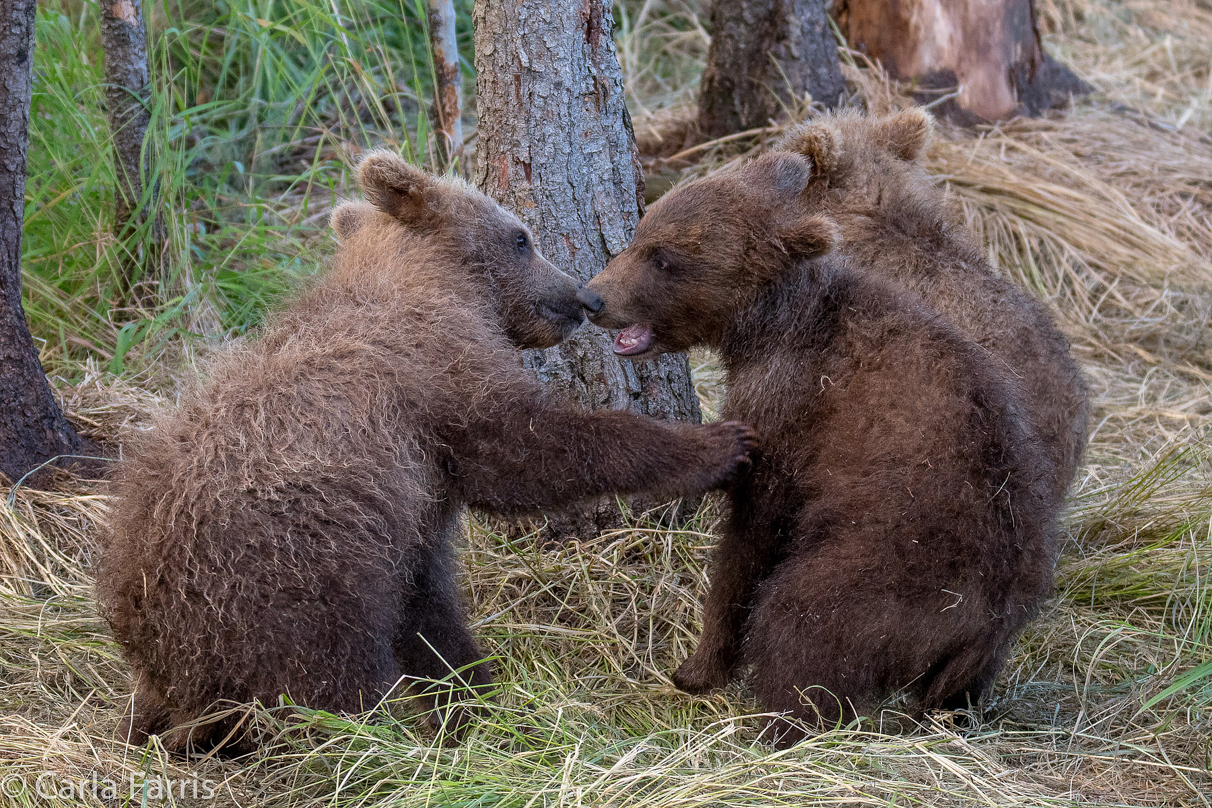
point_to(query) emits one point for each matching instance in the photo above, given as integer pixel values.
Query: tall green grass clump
(257, 108)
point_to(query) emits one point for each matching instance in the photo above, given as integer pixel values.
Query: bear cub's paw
(701, 674)
(736, 443)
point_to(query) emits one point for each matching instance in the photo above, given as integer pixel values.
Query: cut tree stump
(981, 60)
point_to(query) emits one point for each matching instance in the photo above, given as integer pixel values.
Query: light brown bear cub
(869, 178)
(289, 528)
(895, 531)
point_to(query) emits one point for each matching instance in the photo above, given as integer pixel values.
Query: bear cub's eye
(523, 242)
(660, 262)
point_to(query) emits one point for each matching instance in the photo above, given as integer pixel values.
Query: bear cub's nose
(590, 301)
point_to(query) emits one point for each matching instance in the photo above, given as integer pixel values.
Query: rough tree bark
(127, 95)
(555, 145)
(448, 82)
(765, 57)
(32, 428)
(986, 52)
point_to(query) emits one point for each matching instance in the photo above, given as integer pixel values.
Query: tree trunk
(556, 147)
(127, 95)
(32, 429)
(766, 57)
(448, 82)
(985, 54)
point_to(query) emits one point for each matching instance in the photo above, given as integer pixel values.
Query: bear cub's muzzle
(590, 300)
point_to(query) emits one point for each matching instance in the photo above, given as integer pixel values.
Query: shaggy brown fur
(288, 529)
(896, 531)
(869, 179)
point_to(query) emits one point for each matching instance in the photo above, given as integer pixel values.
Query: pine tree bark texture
(127, 96)
(448, 82)
(555, 146)
(766, 57)
(987, 52)
(32, 428)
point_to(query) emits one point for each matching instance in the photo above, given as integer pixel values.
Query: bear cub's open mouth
(633, 340)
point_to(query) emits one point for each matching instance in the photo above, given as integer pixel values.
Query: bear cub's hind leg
(748, 551)
(435, 647)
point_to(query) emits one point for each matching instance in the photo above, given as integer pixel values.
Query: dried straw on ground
(1105, 212)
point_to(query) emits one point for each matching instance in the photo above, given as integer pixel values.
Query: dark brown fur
(896, 530)
(895, 224)
(289, 528)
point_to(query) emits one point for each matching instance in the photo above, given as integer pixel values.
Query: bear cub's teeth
(633, 340)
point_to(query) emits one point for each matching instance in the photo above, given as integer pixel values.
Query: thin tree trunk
(448, 82)
(127, 96)
(766, 57)
(32, 429)
(981, 59)
(555, 145)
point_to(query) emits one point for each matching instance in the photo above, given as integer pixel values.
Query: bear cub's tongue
(633, 340)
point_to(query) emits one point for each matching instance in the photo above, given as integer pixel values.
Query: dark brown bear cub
(868, 176)
(288, 529)
(895, 531)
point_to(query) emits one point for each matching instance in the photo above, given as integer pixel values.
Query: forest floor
(1105, 212)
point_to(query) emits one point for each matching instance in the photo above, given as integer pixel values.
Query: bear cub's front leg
(537, 455)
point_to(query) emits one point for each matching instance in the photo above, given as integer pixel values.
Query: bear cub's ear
(397, 188)
(788, 173)
(819, 142)
(906, 134)
(810, 237)
(350, 217)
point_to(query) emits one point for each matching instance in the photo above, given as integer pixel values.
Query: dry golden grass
(1105, 212)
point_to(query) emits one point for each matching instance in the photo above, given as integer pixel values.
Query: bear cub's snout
(561, 305)
(590, 300)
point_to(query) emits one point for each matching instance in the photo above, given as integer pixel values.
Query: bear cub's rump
(288, 530)
(895, 531)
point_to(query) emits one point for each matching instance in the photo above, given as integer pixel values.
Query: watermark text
(137, 786)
